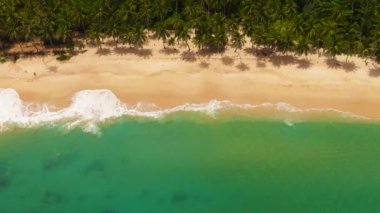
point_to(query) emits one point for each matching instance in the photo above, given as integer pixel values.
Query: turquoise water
(184, 164)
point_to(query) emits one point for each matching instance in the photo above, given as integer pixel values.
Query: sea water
(183, 161)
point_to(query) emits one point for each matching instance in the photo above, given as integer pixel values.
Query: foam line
(89, 107)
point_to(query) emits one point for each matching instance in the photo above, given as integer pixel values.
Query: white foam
(89, 107)
(10, 105)
(288, 122)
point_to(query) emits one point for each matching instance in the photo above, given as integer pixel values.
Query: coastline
(172, 77)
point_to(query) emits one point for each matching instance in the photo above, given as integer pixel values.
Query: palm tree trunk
(34, 45)
(238, 53)
(22, 49)
(188, 46)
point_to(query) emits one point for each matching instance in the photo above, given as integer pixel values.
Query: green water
(183, 165)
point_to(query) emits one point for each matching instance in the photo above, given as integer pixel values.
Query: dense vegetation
(350, 27)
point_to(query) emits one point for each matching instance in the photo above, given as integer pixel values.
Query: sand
(171, 77)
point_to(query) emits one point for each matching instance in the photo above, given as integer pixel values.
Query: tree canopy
(350, 27)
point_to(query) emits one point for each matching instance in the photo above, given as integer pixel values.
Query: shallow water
(187, 164)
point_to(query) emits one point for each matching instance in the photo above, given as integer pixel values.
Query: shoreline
(171, 77)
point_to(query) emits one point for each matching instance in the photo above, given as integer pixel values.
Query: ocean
(214, 157)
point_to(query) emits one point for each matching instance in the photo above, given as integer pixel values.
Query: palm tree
(237, 40)
(348, 27)
(160, 9)
(139, 36)
(192, 12)
(202, 33)
(182, 34)
(160, 32)
(237, 37)
(206, 4)
(64, 30)
(94, 36)
(218, 37)
(80, 16)
(145, 12)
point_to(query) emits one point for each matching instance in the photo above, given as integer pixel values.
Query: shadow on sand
(169, 51)
(374, 72)
(333, 63)
(204, 64)
(208, 53)
(242, 67)
(265, 55)
(227, 60)
(103, 51)
(53, 69)
(188, 56)
(140, 52)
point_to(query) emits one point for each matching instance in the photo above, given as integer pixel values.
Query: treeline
(350, 27)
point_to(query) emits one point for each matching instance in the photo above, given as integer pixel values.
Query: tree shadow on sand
(282, 60)
(259, 52)
(120, 50)
(303, 63)
(333, 63)
(33, 53)
(140, 52)
(188, 56)
(103, 51)
(204, 65)
(53, 69)
(208, 53)
(227, 60)
(242, 67)
(260, 63)
(111, 43)
(349, 66)
(265, 55)
(169, 51)
(374, 72)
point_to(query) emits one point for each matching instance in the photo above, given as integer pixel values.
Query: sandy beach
(174, 76)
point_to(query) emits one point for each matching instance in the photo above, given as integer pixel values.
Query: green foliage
(350, 27)
(3, 59)
(63, 57)
(80, 45)
(15, 58)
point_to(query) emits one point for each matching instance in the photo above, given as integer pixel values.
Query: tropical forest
(334, 27)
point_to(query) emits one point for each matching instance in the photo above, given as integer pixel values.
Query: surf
(90, 107)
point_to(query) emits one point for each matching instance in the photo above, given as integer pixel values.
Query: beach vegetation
(15, 57)
(63, 57)
(335, 27)
(3, 58)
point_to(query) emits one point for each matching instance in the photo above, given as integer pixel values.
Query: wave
(89, 107)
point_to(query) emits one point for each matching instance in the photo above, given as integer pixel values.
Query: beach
(168, 77)
(165, 130)
(189, 106)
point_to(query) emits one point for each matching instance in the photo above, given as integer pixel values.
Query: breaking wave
(89, 107)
